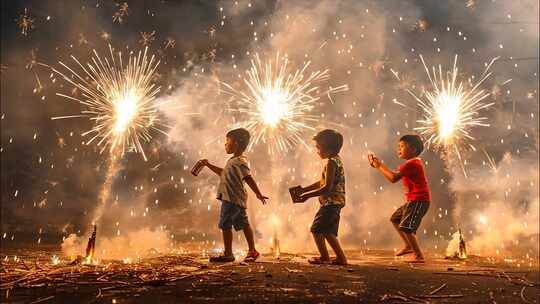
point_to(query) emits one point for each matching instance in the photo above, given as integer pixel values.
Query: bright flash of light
(118, 98)
(451, 108)
(277, 103)
(483, 219)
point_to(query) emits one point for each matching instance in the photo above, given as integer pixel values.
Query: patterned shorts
(326, 220)
(409, 216)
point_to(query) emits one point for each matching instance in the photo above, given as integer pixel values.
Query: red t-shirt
(414, 180)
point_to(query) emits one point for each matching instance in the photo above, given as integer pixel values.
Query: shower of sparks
(170, 43)
(147, 38)
(278, 105)
(25, 22)
(471, 4)
(121, 13)
(119, 99)
(450, 109)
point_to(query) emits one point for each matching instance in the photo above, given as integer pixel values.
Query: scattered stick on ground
(438, 289)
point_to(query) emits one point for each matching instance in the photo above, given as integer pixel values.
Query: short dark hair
(414, 141)
(240, 136)
(330, 139)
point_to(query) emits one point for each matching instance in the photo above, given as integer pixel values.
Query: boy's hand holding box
(295, 194)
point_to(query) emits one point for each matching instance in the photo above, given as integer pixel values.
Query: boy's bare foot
(222, 258)
(416, 261)
(335, 261)
(404, 251)
(251, 256)
(318, 260)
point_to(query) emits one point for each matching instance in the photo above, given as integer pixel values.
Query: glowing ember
(457, 247)
(91, 247)
(276, 249)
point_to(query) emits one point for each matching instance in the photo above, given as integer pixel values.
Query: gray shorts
(232, 215)
(326, 220)
(409, 216)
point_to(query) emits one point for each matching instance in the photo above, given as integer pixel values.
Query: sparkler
(122, 13)
(25, 23)
(278, 104)
(170, 43)
(451, 110)
(147, 38)
(119, 99)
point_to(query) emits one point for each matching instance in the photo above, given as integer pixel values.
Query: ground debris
(513, 278)
(188, 277)
(350, 293)
(105, 276)
(293, 270)
(393, 297)
(438, 289)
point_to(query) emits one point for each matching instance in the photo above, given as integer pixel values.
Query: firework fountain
(119, 99)
(450, 110)
(277, 104)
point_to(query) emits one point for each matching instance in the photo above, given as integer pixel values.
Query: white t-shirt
(231, 181)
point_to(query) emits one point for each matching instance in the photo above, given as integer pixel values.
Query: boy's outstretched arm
(217, 170)
(315, 185)
(389, 174)
(325, 185)
(253, 185)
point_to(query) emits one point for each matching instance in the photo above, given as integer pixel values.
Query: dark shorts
(409, 216)
(326, 220)
(232, 215)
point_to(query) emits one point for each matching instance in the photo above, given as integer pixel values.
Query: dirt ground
(371, 277)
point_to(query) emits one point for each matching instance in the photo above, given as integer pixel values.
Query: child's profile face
(230, 145)
(405, 151)
(321, 151)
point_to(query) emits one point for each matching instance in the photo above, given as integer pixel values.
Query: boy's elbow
(325, 189)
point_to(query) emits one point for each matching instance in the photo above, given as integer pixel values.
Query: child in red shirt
(406, 219)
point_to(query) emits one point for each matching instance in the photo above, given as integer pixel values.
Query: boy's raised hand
(374, 161)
